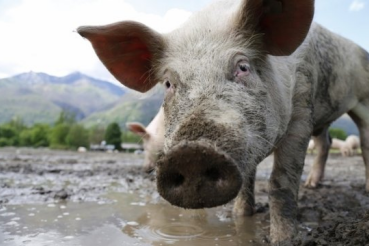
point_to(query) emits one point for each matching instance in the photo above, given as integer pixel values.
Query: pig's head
(227, 99)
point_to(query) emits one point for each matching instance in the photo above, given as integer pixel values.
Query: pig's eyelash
(149, 72)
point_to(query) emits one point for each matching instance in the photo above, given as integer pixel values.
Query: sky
(40, 36)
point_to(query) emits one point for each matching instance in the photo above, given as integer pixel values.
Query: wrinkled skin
(152, 137)
(241, 83)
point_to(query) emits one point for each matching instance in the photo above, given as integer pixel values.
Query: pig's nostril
(177, 179)
(212, 174)
(197, 175)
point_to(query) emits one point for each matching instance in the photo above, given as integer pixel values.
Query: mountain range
(39, 98)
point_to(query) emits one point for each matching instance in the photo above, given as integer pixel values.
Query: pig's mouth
(197, 175)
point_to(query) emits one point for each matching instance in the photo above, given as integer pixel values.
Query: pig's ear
(128, 50)
(283, 24)
(138, 129)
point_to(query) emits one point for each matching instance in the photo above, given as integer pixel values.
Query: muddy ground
(336, 213)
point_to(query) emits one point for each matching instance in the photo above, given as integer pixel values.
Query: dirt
(42, 175)
(336, 213)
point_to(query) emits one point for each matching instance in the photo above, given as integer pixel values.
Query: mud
(112, 195)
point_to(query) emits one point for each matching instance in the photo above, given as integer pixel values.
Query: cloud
(39, 35)
(357, 5)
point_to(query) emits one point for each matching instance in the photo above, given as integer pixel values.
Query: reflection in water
(129, 220)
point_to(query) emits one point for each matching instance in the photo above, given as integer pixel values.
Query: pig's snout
(196, 175)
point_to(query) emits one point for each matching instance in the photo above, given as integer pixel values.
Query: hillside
(131, 107)
(39, 97)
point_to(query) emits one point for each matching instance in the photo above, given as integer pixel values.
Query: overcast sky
(39, 35)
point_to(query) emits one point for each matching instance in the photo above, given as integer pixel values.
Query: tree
(96, 134)
(57, 136)
(17, 124)
(113, 135)
(77, 137)
(25, 138)
(337, 133)
(5, 142)
(8, 135)
(16, 133)
(66, 117)
(39, 135)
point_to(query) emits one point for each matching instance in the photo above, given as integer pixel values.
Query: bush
(25, 138)
(5, 142)
(337, 133)
(39, 135)
(9, 135)
(7, 131)
(113, 135)
(57, 136)
(77, 136)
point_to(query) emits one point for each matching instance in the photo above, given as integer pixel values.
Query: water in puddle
(128, 220)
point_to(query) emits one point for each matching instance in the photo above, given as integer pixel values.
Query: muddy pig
(243, 79)
(152, 137)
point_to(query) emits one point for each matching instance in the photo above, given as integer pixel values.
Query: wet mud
(69, 198)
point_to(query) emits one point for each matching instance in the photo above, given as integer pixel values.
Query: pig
(346, 148)
(243, 79)
(152, 136)
(351, 144)
(338, 144)
(311, 146)
(82, 149)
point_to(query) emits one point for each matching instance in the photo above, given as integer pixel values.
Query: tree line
(65, 133)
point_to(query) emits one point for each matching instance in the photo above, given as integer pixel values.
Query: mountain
(39, 97)
(130, 107)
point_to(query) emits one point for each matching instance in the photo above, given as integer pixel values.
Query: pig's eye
(169, 89)
(243, 68)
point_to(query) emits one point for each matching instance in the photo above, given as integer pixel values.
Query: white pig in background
(311, 146)
(338, 144)
(243, 79)
(351, 144)
(152, 137)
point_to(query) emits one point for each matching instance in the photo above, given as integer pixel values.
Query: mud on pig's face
(217, 116)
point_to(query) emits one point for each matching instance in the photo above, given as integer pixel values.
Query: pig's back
(338, 71)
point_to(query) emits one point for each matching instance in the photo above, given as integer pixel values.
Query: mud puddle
(66, 198)
(127, 219)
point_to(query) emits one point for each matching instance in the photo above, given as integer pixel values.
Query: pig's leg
(245, 202)
(322, 144)
(360, 114)
(285, 180)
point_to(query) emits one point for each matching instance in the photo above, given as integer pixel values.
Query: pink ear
(138, 129)
(284, 24)
(128, 50)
